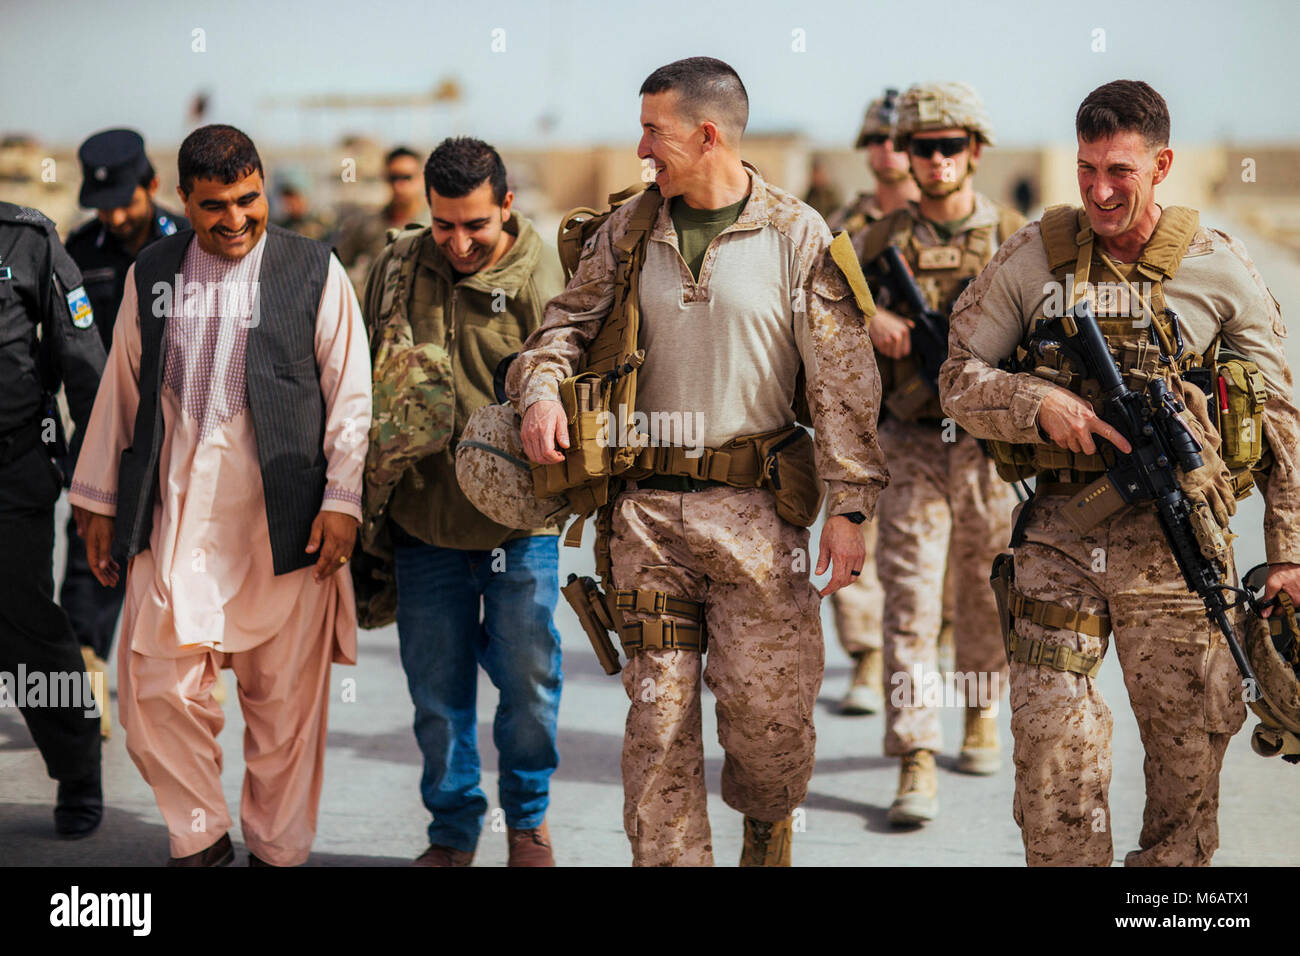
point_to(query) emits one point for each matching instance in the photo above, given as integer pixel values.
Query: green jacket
(428, 502)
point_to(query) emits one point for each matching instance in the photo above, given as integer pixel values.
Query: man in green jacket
(470, 591)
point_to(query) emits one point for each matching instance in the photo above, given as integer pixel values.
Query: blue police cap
(112, 164)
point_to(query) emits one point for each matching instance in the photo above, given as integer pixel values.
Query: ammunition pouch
(1238, 410)
(907, 395)
(1027, 650)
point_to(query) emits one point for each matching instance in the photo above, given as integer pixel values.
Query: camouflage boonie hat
(879, 118)
(1272, 646)
(928, 106)
(495, 475)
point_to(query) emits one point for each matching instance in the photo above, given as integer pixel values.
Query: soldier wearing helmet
(945, 510)
(857, 607)
(888, 164)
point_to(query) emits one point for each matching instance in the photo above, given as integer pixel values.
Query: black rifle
(898, 290)
(1161, 442)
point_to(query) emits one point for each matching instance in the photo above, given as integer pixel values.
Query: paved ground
(371, 812)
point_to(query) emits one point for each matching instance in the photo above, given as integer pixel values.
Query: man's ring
(855, 573)
(343, 559)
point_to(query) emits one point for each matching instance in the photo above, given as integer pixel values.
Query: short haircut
(460, 165)
(398, 153)
(707, 89)
(1124, 106)
(216, 152)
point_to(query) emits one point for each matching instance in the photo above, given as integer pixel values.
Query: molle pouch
(585, 401)
(1093, 505)
(1003, 581)
(909, 396)
(583, 397)
(1239, 397)
(1013, 462)
(789, 471)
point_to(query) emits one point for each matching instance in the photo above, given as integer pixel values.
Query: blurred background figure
(362, 235)
(119, 183)
(296, 214)
(822, 194)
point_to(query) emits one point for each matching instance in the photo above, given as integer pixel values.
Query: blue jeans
(444, 636)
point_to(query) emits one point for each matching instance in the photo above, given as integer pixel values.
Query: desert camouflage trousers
(944, 509)
(730, 550)
(857, 606)
(1182, 684)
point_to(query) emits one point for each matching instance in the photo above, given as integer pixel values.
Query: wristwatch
(857, 517)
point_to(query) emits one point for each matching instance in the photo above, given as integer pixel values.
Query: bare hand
(333, 534)
(1070, 422)
(96, 531)
(890, 333)
(1282, 577)
(843, 549)
(544, 430)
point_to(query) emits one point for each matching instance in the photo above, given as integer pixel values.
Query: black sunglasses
(876, 139)
(946, 145)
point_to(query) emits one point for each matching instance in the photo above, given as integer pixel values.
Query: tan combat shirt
(1216, 290)
(769, 297)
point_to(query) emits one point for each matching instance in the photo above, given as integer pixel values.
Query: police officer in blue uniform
(118, 182)
(47, 337)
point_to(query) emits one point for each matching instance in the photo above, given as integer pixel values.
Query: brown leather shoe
(443, 856)
(530, 847)
(220, 853)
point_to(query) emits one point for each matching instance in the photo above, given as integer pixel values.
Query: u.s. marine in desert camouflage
(727, 342)
(1120, 576)
(945, 515)
(857, 608)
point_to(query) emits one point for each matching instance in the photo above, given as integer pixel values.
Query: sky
(560, 72)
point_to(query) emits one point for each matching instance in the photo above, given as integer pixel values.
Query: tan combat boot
(866, 694)
(98, 671)
(767, 844)
(917, 801)
(980, 752)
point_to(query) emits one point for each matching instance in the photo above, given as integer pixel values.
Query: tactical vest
(284, 394)
(942, 272)
(1142, 349)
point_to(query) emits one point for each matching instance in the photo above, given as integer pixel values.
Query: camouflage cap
(496, 477)
(879, 118)
(1272, 646)
(928, 106)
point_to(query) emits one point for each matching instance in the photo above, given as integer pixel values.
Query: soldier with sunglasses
(363, 235)
(945, 508)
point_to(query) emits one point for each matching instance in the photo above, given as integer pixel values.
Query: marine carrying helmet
(879, 118)
(495, 475)
(928, 106)
(1272, 646)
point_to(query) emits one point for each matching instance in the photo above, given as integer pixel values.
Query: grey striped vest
(284, 395)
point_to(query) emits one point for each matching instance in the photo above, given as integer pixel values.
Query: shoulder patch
(79, 308)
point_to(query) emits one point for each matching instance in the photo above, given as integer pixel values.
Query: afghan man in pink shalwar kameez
(223, 461)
